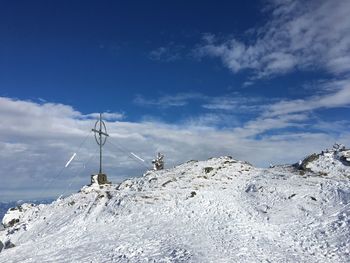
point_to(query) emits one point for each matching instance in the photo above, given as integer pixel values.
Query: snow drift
(219, 210)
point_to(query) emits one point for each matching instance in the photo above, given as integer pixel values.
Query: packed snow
(219, 210)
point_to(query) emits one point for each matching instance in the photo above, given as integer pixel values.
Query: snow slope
(219, 210)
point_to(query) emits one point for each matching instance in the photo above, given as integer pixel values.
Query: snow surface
(219, 210)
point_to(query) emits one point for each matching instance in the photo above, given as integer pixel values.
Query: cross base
(99, 179)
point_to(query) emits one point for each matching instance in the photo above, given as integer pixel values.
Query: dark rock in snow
(307, 160)
(12, 222)
(208, 169)
(251, 188)
(291, 196)
(8, 244)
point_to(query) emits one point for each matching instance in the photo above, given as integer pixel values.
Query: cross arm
(100, 132)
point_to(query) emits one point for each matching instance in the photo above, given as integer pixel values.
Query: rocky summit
(218, 210)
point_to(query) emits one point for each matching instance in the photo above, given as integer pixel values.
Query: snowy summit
(219, 210)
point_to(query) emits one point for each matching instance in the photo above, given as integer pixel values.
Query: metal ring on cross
(102, 131)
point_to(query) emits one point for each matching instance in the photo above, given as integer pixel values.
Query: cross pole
(102, 131)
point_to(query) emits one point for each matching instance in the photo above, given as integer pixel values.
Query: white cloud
(299, 35)
(263, 124)
(298, 113)
(338, 96)
(211, 121)
(270, 114)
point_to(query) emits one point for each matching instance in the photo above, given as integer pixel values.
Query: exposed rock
(14, 215)
(1, 246)
(8, 244)
(251, 188)
(192, 161)
(13, 222)
(307, 160)
(109, 195)
(167, 182)
(291, 196)
(208, 169)
(344, 157)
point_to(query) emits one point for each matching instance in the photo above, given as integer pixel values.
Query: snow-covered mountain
(219, 210)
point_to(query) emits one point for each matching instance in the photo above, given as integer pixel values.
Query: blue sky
(110, 52)
(266, 81)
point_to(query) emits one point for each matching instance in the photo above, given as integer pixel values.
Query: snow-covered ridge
(5, 206)
(333, 162)
(219, 210)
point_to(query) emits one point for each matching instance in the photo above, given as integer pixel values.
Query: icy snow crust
(220, 210)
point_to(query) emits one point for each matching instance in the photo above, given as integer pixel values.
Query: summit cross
(101, 135)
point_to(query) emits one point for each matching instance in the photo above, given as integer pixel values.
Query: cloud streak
(167, 101)
(106, 115)
(168, 53)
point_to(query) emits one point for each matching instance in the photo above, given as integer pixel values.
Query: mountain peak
(200, 211)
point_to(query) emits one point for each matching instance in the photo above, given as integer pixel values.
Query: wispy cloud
(265, 114)
(167, 53)
(261, 124)
(236, 102)
(233, 101)
(212, 121)
(303, 35)
(297, 113)
(337, 95)
(106, 115)
(176, 100)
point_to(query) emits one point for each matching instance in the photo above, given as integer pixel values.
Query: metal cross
(102, 131)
